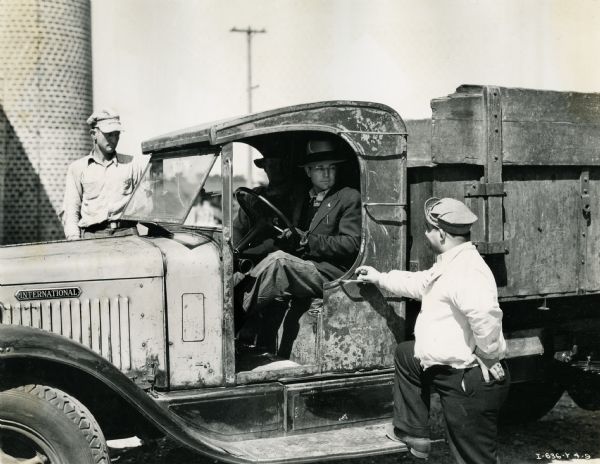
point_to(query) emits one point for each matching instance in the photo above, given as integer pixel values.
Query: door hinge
(492, 248)
(482, 189)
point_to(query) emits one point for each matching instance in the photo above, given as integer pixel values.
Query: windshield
(167, 191)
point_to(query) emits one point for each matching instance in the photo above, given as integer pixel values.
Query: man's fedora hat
(320, 151)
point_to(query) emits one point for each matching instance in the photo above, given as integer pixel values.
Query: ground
(560, 436)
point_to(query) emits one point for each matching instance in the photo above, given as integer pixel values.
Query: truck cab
(146, 323)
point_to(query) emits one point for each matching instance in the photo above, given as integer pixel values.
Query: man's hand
(368, 274)
(490, 366)
(288, 241)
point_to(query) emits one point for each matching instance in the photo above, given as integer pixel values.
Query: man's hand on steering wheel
(257, 219)
(288, 241)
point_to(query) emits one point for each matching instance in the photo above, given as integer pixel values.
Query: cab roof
(329, 116)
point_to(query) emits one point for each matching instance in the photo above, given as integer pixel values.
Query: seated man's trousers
(279, 275)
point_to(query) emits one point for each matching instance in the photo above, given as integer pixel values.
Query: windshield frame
(215, 151)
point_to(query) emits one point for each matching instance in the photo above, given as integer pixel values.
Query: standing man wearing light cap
(458, 343)
(99, 185)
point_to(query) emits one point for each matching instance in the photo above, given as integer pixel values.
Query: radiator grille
(101, 324)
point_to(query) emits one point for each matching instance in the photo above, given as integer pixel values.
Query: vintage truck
(134, 335)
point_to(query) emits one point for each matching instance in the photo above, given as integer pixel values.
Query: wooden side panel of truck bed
(528, 164)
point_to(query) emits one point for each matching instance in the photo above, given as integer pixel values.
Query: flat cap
(106, 120)
(449, 214)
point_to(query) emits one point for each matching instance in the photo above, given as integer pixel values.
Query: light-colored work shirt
(459, 309)
(96, 192)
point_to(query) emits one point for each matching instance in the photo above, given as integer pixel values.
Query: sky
(169, 64)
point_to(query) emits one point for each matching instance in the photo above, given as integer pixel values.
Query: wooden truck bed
(528, 163)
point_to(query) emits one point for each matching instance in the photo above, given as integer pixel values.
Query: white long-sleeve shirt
(459, 309)
(96, 192)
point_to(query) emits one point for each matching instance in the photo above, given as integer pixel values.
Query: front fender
(18, 342)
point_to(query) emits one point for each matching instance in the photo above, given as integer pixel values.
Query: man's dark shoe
(418, 447)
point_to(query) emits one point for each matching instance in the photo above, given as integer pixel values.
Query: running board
(348, 442)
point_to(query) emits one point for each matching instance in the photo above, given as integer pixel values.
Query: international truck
(135, 335)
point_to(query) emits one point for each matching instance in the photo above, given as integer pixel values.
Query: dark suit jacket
(333, 237)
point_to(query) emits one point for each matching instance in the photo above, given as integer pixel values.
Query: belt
(112, 225)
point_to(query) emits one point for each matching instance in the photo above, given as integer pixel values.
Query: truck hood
(100, 259)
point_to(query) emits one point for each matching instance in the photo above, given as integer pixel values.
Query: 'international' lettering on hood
(48, 293)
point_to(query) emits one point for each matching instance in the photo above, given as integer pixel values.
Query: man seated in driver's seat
(323, 245)
(278, 191)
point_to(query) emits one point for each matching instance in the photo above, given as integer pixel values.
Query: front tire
(42, 421)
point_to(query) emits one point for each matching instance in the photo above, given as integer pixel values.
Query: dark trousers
(119, 232)
(104, 229)
(470, 405)
(279, 276)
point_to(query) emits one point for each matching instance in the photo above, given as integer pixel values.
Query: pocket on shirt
(91, 189)
(127, 186)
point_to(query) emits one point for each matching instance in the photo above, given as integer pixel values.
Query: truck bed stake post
(544, 306)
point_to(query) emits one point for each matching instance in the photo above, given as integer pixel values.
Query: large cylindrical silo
(45, 98)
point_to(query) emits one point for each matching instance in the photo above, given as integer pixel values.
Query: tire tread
(77, 413)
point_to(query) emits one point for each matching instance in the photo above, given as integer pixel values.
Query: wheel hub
(21, 445)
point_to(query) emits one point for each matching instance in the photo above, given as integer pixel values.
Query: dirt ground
(560, 436)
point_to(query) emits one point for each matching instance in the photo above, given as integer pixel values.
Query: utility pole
(249, 33)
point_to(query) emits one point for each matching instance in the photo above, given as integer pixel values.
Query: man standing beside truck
(99, 185)
(458, 341)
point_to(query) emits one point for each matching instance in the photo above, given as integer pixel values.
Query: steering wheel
(259, 222)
